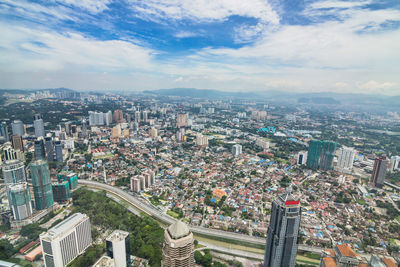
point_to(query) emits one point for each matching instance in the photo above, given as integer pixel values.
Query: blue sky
(232, 45)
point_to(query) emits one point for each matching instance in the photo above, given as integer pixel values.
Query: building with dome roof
(178, 248)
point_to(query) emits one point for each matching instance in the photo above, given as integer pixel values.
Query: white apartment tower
(345, 159)
(236, 150)
(65, 241)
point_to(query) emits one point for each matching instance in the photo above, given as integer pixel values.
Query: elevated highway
(166, 219)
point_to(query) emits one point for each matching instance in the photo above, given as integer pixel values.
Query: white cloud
(338, 4)
(205, 10)
(185, 34)
(93, 6)
(374, 86)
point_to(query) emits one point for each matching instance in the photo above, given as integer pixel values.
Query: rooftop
(117, 235)
(329, 262)
(67, 224)
(178, 230)
(346, 251)
(389, 262)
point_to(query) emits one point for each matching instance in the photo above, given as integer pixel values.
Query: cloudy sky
(235, 45)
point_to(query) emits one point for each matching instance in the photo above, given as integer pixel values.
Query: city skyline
(337, 46)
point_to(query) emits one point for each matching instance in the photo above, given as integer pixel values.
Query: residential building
(314, 151)
(70, 177)
(281, 245)
(178, 247)
(263, 143)
(135, 184)
(38, 124)
(41, 182)
(301, 158)
(345, 159)
(394, 163)
(96, 118)
(118, 116)
(19, 199)
(327, 154)
(182, 120)
(66, 240)
(201, 140)
(379, 172)
(13, 172)
(236, 150)
(118, 248)
(13, 154)
(17, 127)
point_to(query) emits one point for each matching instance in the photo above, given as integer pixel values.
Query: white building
(154, 132)
(345, 159)
(236, 150)
(301, 158)
(135, 184)
(65, 241)
(108, 118)
(38, 124)
(263, 143)
(202, 140)
(394, 163)
(96, 118)
(118, 248)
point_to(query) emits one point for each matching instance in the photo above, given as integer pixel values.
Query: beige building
(178, 248)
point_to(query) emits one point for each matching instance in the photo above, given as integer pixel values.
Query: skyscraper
(4, 131)
(314, 150)
(394, 163)
(38, 124)
(118, 116)
(13, 172)
(66, 240)
(19, 200)
(118, 248)
(41, 183)
(178, 248)
(48, 143)
(17, 142)
(17, 128)
(327, 154)
(345, 159)
(281, 246)
(379, 172)
(40, 152)
(58, 149)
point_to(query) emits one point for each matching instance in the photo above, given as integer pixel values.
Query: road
(166, 219)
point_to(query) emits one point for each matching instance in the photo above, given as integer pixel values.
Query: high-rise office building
(118, 248)
(394, 163)
(137, 116)
(345, 159)
(68, 129)
(38, 124)
(66, 240)
(379, 172)
(17, 142)
(4, 131)
(58, 150)
(314, 150)
(327, 154)
(40, 152)
(145, 116)
(49, 147)
(13, 172)
(17, 127)
(178, 247)
(281, 246)
(236, 150)
(19, 199)
(182, 120)
(41, 183)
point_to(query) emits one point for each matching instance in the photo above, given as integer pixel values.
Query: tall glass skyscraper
(327, 154)
(17, 127)
(38, 124)
(314, 150)
(281, 247)
(40, 152)
(42, 189)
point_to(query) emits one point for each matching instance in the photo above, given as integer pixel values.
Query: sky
(230, 45)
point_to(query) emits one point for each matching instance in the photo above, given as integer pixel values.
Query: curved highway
(166, 219)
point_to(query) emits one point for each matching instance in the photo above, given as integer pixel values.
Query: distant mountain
(28, 91)
(197, 93)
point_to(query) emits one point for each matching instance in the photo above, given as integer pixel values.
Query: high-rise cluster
(143, 181)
